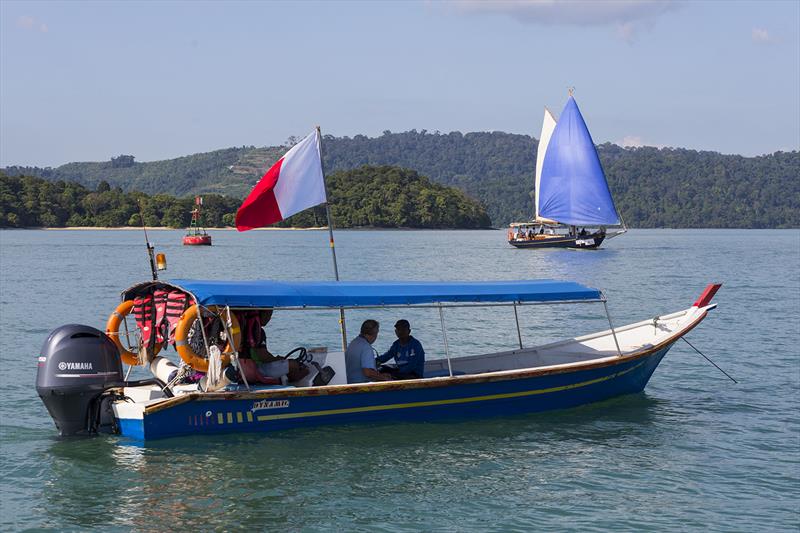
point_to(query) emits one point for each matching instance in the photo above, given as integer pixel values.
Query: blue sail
(573, 187)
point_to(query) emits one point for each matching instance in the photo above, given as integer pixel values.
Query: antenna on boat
(150, 249)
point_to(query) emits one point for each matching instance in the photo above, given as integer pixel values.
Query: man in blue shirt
(407, 353)
(360, 356)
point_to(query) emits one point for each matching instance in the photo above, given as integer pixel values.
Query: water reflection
(294, 479)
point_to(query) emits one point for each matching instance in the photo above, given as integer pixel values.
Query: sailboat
(574, 207)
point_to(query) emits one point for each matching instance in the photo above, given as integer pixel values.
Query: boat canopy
(333, 294)
(573, 186)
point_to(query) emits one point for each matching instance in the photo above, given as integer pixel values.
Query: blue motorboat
(81, 380)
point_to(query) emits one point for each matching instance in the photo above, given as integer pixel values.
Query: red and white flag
(293, 184)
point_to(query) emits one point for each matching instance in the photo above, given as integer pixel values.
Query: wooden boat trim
(487, 377)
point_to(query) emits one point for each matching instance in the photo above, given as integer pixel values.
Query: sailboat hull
(588, 242)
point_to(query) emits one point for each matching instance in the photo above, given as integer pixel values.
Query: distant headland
(375, 197)
(492, 172)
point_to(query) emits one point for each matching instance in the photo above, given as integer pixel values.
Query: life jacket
(144, 313)
(252, 334)
(160, 303)
(169, 306)
(177, 302)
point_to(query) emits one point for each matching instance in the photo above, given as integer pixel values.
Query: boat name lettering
(269, 404)
(68, 365)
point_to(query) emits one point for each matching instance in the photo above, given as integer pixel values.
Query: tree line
(652, 187)
(367, 196)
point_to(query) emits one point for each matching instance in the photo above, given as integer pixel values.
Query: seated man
(360, 356)
(407, 353)
(254, 347)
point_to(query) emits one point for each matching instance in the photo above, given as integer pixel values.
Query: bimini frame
(440, 306)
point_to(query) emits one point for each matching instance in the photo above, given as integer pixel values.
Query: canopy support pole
(613, 333)
(342, 324)
(235, 354)
(127, 340)
(444, 336)
(203, 332)
(516, 318)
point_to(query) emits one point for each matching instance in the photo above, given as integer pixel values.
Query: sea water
(694, 451)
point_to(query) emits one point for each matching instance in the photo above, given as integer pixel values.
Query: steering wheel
(303, 357)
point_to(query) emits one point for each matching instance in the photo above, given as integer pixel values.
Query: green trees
(390, 197)
(368, 196)
(652, 187)
(27, 201)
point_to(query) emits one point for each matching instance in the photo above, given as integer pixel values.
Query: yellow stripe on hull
(264, 418)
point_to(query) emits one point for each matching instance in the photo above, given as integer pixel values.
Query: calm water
(693, 452)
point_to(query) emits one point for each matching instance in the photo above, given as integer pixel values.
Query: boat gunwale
(424, 383)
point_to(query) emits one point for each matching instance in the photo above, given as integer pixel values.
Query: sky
(87, 81)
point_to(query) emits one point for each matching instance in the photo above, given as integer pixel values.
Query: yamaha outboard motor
(77, 364)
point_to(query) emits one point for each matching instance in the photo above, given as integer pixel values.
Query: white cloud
(627, 16)
(634, 141)
(631, 141)
(25, 22)
(627, 32)
(29, 23)
(761, 36)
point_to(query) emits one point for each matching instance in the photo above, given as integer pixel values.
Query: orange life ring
(112, 330)
(188, 355)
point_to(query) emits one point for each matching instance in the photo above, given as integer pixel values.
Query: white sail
(548, 125)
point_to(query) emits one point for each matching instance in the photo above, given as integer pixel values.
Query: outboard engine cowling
(76, 365)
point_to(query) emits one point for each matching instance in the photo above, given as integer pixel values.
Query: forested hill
(383, 197)
(652, 187)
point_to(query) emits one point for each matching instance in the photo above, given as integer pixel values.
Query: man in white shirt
(360, 356)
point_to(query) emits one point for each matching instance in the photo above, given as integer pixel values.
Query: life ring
(112, 330)
(196, 361)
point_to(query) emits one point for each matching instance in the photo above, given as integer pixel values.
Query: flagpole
(342, 324)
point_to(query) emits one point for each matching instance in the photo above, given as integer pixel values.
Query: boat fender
(162, 368)
(112, 330)
(196, 361)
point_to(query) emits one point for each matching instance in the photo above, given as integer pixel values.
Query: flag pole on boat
(342, 323)
(295, 182)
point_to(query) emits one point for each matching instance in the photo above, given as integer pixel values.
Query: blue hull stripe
(475, 400)
(451, 401)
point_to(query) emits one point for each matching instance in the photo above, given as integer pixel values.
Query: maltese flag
(293, 184)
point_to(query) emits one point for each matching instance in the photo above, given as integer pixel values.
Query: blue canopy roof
(573, 187)
(265, 293)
